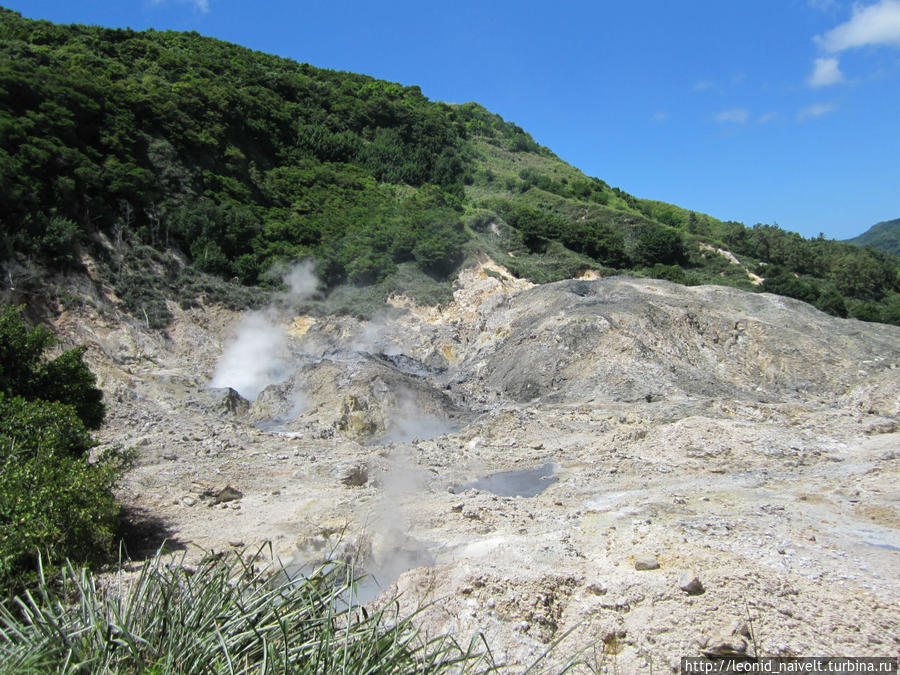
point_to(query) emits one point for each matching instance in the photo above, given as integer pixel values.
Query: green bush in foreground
(54, 503)
(52, 498)
(225, 616)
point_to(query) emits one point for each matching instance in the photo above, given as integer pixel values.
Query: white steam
(376, 336)
(410, 422)
(257, 355)
(394, 550)
(301, 281)
(255, 358)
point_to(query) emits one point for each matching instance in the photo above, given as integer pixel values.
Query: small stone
(235, 543)
(188, 500)
(456, 508)
(690, 584)
(203, 488)
(353, 475)
(741, 628)
(472, 514)
(229, 493)
(648, 562)
(726, 646)
(315, 543)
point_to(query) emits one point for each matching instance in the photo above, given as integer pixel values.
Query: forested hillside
(884, 235)
(188, 168)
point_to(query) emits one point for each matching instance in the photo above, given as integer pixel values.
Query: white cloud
(767, 117)
(815, 110)
(660, 116)
(201, 6)
(703, 85)
(735, 115)
(822, 5)
(877, 24)
(826, 72)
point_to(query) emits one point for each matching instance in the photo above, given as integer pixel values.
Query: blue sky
(773, 111)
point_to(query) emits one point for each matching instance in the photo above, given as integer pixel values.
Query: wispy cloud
(823, 5)
(767, 117)
(703, 85)
(877, 24)
(815, 110)
(201, 6)
(660, 116)
(733, 116)
(826, 71)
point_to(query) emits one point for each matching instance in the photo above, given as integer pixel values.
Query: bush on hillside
(662, 245)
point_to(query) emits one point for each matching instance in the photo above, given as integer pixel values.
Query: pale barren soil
(746, 443)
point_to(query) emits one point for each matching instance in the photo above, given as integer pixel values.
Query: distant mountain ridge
(884, 235)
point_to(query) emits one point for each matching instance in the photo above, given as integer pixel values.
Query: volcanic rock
(690, 583)
(648, 562)
(229, 493)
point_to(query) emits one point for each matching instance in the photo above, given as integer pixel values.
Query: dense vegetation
(53, 500)
(150, 149)
(884, 235)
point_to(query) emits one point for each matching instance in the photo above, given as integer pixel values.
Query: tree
(659, 245)
(25, 372)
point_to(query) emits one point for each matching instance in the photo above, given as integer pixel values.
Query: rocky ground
(720, 469)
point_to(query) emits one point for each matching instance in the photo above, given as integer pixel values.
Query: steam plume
(257, 355)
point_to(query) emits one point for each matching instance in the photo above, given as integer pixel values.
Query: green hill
(187, 168)
(884, 235)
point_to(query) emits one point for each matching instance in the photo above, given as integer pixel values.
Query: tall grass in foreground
(224, 616)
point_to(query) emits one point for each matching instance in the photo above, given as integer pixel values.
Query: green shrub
(784, 282)
(144, 297)
(25, 372)
(668, 272)
(833, 303)
(55, 503)
(662, 245)
(595, 239)
(59, 240)
(35, 428)
(52, 498)
(866, 311)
